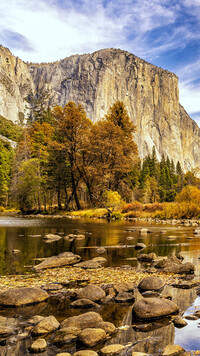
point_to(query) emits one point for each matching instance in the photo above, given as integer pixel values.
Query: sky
(163, 32)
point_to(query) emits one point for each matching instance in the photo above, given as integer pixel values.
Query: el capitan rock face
(97, 81)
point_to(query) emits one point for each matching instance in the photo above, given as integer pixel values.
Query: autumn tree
(71, 129)
(6, 155)
(110, 152)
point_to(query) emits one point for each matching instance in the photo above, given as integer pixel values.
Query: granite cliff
(97, 80)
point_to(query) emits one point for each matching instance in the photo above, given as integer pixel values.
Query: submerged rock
(22, 296)
(150, 308)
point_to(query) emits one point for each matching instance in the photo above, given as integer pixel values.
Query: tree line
(64, 160)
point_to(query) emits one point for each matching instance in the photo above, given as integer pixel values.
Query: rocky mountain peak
(97, 81)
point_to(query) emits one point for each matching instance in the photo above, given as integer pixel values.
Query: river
(26, 235)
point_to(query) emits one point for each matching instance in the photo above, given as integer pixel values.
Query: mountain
(96, 81)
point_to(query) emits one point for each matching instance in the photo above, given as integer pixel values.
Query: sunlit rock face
(97, 81)
(15, 84)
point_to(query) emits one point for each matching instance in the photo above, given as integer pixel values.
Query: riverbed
(22, 244)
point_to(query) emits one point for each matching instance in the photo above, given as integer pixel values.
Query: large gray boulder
(91, 292)
(151, 283)
(83, 321)
(150, 308)
(63, 259)
(22, 296)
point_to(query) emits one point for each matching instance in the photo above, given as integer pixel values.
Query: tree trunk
(74, 185)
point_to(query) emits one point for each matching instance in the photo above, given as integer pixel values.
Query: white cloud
(56, 32)
(53, 29)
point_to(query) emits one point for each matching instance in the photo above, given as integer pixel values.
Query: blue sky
(163, 32)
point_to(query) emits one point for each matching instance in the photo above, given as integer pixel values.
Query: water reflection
(188, 337)
(27, 235)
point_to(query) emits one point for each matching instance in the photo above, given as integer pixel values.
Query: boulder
(92, 336)
(82, 321)
(138, 354)
(140, 246)
(51, 237)
(111, 350)
(22, 296)
(63, 259)
(185, 284)
(179, 322)
(70, 237)
(38, 345)
(84, 303)
(191, 317)
(151, 283)
(52, 286)
(151, 308)
(147, 257)
(63, 354)
(172, 350)
(100, 260)
(79, 237)
(145, 231)
(125, 297)
(150, 294)
(65, 336)
(91, 292)
(85, 353)
(174, 265)
(108, 327)
(130, 238)
(109, 297)
(34, 320)
(5, 331)
(101, 250)
(46, 325)
(88, 265)
(124, 287)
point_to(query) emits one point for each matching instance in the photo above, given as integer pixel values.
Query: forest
(64, 161)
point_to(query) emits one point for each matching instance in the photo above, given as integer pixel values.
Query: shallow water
(26, 235)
